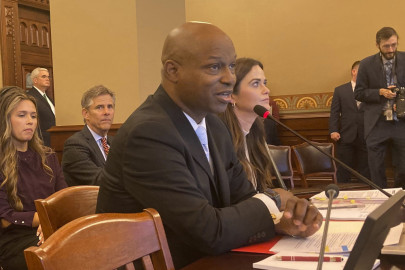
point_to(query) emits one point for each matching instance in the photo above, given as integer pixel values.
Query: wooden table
(244, 261)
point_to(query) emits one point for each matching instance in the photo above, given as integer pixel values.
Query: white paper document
(273, 263)
(341, 238)
(364, 195)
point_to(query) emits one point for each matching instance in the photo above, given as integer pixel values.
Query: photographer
(377, 79)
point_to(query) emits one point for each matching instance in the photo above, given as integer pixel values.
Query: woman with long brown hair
(28, 171)
(247, 129)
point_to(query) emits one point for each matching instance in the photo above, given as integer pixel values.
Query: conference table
(244, 261)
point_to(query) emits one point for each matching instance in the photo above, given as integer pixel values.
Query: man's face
(42, 81)
(388, 47)
(206, 78)
(100, 114)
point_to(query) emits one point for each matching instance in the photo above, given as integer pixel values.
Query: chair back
(281, 155)
(104, 241)
(311, 162)
(64, 206)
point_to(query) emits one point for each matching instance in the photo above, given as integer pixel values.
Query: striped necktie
(105, 145)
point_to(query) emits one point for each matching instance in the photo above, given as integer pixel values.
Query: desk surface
(244, 261)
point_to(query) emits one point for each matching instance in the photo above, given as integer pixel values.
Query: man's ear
(84, 113)
(171, 70)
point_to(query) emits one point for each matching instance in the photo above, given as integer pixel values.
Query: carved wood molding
(10, 43)
(41, 4)
(304, 103)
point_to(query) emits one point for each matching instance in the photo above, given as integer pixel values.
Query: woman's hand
(4, 223)
(40, 235)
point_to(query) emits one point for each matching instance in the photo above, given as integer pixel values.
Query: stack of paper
(352, 205)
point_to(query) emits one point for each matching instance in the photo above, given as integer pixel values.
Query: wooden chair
(104, 241)
(310, 162)
(282, 157)
(64, 206)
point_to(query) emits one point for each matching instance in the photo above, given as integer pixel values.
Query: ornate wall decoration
(304, 103)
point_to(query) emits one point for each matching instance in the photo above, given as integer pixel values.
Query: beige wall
(110, 42)
(93, 42)
(305, 46)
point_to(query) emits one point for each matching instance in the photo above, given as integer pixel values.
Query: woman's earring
(233, 104)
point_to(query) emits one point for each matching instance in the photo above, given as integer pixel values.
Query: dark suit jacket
(345, 117)
(82, 160)
(156, 160)
(45, 114)
(370, 79)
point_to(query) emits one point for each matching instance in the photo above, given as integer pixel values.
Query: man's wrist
(274, 196)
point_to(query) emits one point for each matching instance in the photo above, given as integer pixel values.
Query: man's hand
(335, 136)
(284, 196)
(300, 218)
(387, 93)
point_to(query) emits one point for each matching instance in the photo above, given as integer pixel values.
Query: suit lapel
(220, 171)
(40, 98)
(187, 132)
(93, 144)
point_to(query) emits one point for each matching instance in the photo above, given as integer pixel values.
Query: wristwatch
(274, 196)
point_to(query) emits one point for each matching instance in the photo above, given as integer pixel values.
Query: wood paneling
(25, 40)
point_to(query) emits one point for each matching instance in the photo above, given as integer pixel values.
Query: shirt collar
(95, 135)
(194, 123)
(40, 91)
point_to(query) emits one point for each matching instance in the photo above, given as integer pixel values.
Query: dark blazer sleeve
(335, 111)
(162, 174)
(82, 160)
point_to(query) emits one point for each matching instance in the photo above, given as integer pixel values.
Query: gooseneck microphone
(263, 112)
(274, 165)
(331, 191)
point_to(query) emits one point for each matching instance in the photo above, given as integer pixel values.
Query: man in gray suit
(85, 152)
(378, 75)
(175, 155)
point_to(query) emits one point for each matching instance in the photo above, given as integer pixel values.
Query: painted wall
(305, 46)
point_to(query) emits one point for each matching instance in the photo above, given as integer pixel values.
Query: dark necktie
(388, 73)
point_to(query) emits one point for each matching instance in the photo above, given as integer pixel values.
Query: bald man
(198, 186)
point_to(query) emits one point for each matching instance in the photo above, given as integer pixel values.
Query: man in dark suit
(196, 184)
(45, 106)
(84, 153)
(346, 128)
(378, 75)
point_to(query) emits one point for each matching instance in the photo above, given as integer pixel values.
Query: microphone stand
(278, 175)
(263, 112)
(331, 192)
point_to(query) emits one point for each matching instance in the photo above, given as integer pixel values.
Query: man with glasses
(377, 76)
(45, 106)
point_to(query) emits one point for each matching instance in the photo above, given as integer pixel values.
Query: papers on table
(363, 196)
(341, 238)
(352, 205)
(273, 263)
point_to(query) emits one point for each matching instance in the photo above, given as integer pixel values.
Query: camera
(400, 102)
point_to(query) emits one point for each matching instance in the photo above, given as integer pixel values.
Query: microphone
(274, 165)
(331, 191)
(263, 112)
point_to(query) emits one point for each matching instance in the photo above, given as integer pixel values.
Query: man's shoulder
(79, 136)
(343, 87)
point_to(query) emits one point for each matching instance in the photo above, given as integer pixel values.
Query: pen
(308, 259)
(336, 206)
